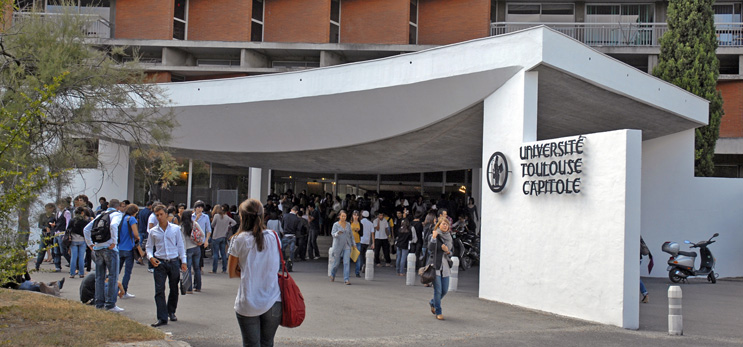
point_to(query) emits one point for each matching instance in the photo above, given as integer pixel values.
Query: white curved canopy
(419, 111)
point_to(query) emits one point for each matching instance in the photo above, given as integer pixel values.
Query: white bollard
(454, 278)
(331, 260)
(369, 268)
(410, 280)
(675, 317)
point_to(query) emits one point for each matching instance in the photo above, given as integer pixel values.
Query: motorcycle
(466, 247)
(681, 263)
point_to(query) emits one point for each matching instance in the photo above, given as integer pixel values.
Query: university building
(570, 148)
(191, 40)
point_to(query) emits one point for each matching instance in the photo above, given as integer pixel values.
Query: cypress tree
(688, 60)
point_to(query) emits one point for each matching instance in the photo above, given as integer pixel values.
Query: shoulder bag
(292, 301)
(428, 272)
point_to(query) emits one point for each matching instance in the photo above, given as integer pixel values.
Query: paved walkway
(386, 312)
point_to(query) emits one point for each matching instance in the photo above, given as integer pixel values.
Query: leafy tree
(688, 60)
(59, 91)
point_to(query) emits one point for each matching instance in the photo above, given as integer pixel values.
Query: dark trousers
(203, 254)
(43, 244)
(171, 271)
(260, 330)
(301, 252)
(384, 246)
(312, 249)
(88, 259)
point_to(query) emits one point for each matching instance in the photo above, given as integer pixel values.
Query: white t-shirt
(382, 233)
(151, 220)
(259, 283)
(368, 228)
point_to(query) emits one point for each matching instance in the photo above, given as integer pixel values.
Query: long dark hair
(186, 223)
(251, 220)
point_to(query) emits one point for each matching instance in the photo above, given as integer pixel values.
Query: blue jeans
(126, 260)
(440, 288)
(260, 330)
(288, 241)
(58, 252)
(346, 256)
(106, 260)
(362, 256)
(193, 255)
(402, 259)
(77, 262)
(219, 253)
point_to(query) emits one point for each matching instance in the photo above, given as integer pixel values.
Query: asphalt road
(387, 312)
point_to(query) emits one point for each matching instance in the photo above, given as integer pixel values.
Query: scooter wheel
(711, 277)
(674, 277)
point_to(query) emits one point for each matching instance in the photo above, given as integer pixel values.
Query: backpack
(101, 231)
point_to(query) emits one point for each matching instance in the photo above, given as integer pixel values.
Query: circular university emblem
(497, 172)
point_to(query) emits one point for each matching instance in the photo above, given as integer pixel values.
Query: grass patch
(31, 319)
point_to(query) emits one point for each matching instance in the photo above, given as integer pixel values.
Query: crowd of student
(172, 240)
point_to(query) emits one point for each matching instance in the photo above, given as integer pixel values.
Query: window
(180, 12)
(493, 11)
(335, 21)
(413, 24)
(727, 13)
(83, 153)
(30, 5)
(545, 13)
(638, 13)
(256, 23)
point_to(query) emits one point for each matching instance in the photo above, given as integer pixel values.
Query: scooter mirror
(687, 241)
(716, 235)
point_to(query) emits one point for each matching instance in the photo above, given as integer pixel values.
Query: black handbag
(428, 272)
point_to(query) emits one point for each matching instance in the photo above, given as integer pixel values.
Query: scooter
(681, 263)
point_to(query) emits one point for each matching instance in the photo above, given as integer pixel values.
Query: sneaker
(151, 270)
(116, 309)
(128, 296)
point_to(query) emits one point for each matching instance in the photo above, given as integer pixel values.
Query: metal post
(422, 184)
(369, 268)
(190, 183)
(675, 317)
(454, 277)
(331, 260)
(410, 279)
(379, 182)
(443, 183)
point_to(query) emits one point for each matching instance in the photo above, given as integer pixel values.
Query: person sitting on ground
(87, 289)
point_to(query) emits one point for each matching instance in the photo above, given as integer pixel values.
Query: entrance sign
(555, 174)
(497, 172)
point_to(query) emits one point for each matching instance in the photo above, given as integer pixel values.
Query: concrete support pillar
(477, 194)
(328, 58)
(130, 180)
(740, 65)
(255, 183)
(652, 62)
(190, 183)
(251, 58)
(176, 57)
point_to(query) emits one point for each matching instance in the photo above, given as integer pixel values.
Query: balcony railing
(620, 34)
(95, 25)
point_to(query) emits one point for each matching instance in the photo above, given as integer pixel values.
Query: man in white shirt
(106, 257)
(380, 229)
(168, 259)
(366, 238)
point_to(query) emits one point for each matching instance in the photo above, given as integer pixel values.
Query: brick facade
(159, 77)
(144, 19)
(224, 20)
(731, 124)
(442, 22)
(375, 21)
(297, 21)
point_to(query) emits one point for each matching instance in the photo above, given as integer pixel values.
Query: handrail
(619, 34)
(96, 26)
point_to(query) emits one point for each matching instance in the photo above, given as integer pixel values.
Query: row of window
(605, 13)
(180, 21)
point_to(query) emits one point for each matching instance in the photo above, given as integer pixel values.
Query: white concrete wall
(677, 206)
(574, 255)
(110, 180)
